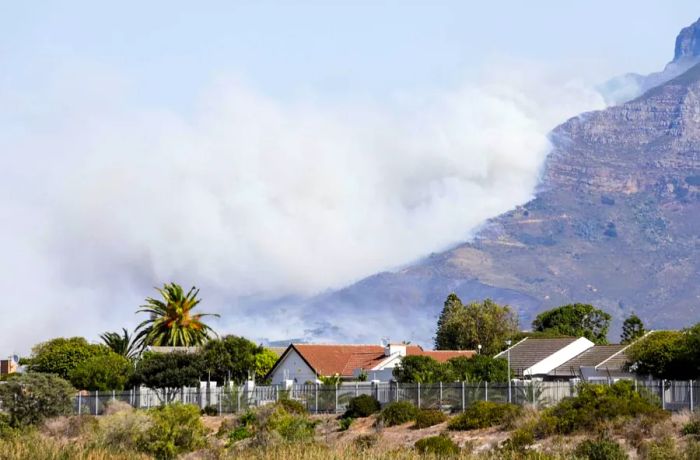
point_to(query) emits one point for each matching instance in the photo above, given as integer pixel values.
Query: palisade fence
(319, 398)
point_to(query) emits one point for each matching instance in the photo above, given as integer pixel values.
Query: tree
(60, 356)
(692, 351)
(30, 398)
(102, 373)
(231, 358)
(480, 368)
(264, 360)
(171, 322)
(632, 329)
(576, 320)
(464, 327)
(422, 369)
(121, 344)
(662, 354)
(168, 372)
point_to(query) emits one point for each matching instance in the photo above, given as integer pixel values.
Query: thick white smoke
(247, 196)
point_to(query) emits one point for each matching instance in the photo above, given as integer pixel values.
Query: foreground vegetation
(601, 422)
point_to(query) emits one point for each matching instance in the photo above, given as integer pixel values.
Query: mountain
(615, 223)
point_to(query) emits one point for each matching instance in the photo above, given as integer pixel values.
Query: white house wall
(296, 368)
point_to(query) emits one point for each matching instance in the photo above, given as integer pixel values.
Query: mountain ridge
(613, 223)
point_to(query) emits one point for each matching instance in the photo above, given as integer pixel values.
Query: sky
(263, 150)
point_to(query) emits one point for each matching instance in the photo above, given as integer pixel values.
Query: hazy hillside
(616, 223)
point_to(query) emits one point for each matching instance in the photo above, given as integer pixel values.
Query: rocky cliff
(615, 223)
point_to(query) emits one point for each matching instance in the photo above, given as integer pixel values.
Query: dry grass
(39, 447)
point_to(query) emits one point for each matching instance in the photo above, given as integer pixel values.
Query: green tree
(662, 354)
(171, 321)
(168, 372)
(692, 351)
(30, 398)
(422, 369)
(231, 357)
(121, 344)
(264, 360)
(464, 327)
(576, 320)
(632, 329)
(102, 373)
(479, 368)
(60, 356)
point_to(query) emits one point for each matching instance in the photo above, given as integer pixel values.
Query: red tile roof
(327, 359)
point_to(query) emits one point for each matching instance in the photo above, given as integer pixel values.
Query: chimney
(393, 348)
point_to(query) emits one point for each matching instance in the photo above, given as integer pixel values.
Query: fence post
(97, 401)
(113, 395)
(397, 391)
(316, 398)
(356, 391)
(691, 396)
(663, 394)
(440, 406)
(80, 401)
(336, 398)
(418, 395)
(486, 390)
(463, 401)
(238, 400)
(276, 393)
(219, 396)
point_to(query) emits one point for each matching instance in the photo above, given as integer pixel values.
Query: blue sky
(269, 150)
(169, 49)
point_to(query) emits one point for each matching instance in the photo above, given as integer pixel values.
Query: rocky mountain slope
(615, 223)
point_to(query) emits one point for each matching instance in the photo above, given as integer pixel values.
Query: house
(9, 366)
(565, 359)
(598, 363)
(535, 358)
(301, 363)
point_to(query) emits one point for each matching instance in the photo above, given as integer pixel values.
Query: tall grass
(37, 447)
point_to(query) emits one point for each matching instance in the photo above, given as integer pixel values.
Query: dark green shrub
(30, 398)
(429, 417)
(362, 406)
(397, 413)
(292, 406)
(344, 423)
(210, 410)
(240, 433)
(601, 449)
(692, 428)
(440, 446)
(290, 427)
(175, 429)
(595, 404)
(521, 438)
(484, 414)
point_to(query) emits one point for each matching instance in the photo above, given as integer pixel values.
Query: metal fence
(318, 398)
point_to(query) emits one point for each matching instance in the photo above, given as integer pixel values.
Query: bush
(290, 427)
(692, 428)
(240, 433)
(70, 427)
(397, 413)
(30, 398)
(595, 404)
(440, 446)
(366, 441)
(521, 438)
(292, 406)
(122, 431)
(344, 423)
(484, 414)
(602, 449)
(210, 410)
(174, 429)
(429, 417)
(663, 449)
(362, 406)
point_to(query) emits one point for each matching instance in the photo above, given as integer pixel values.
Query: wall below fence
(453, 397)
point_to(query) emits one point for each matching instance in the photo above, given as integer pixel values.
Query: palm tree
(171, 321)
(122, 344)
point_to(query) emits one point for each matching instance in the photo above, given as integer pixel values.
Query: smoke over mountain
(246, 196)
